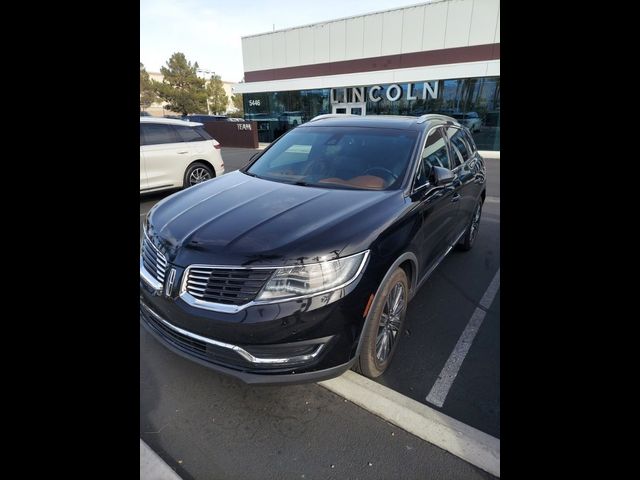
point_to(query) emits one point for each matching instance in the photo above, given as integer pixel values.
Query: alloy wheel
(390, 322)
(198, 175)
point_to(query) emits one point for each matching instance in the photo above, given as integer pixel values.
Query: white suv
(176, 154)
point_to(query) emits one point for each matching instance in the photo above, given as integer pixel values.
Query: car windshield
(338, 157)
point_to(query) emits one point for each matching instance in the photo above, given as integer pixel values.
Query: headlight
(304, 280)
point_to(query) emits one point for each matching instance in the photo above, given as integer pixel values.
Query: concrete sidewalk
(152, 467)
(490, 154)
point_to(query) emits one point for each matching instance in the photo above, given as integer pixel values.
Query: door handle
(456, 197)
(182, 153)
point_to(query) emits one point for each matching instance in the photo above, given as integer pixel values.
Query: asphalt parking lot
(205, 425)
(438, 315)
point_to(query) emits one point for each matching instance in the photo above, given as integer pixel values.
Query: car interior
(352, 160)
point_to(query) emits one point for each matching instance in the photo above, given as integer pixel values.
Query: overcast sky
(209, 31)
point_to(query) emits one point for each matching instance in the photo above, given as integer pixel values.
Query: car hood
(237, 219)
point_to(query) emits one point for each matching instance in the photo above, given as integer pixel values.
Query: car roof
(168, 121)
(379, 121)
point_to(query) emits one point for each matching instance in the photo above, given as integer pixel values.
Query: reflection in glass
(332, 157)
(474, 102)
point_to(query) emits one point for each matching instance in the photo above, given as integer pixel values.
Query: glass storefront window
(277, 112)
(475, 102)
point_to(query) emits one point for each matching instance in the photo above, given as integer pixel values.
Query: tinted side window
(421, 176)
(470, 142)
(156, 134)
(203, 133)
(188, 134)
(141, 136)
(435, 152)
(459, 144)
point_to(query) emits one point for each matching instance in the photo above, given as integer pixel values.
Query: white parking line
(440, 389)
(463, 441)
(492, 200)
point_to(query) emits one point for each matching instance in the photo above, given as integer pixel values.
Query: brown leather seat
(362, 181)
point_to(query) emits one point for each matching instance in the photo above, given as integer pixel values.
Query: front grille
(226, 285)
(154, 262)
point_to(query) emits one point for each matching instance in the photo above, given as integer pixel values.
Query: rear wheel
(466, 242)
(197, 173)
(380, 337)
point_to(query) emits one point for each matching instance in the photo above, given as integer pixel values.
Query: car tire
(196, 173)
(374, 357)
(470, 234)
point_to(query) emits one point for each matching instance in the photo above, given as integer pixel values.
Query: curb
(490, 154)
(152, 467)
(463, 441)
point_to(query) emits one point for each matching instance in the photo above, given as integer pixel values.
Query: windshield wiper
(300, 183)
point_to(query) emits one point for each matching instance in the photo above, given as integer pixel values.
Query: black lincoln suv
(300, 265)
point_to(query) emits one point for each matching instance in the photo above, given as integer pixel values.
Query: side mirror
(441, 176)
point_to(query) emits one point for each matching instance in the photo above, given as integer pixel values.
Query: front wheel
(380, 337)
(466, 242)
(197, 173)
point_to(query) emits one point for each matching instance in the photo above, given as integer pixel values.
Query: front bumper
(289, 378)
(316, 342)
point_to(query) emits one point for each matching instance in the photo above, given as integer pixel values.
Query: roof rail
(429, 116)
(331, 115)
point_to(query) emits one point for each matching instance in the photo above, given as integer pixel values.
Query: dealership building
(437, 57)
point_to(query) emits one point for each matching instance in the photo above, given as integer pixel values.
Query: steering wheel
(389, 172)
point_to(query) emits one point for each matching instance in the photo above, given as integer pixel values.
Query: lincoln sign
(393, 93)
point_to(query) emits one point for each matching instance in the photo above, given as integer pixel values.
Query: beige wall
(436, 25)
(157, 111)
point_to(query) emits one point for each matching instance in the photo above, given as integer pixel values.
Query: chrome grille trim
(153, 264)
(195, 299)
(225, 285)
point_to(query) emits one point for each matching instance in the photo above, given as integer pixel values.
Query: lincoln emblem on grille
(169, 287)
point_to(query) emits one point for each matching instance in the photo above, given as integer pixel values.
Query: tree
(147, 94)
(218, 99)
(238, 103)
(181, 87)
